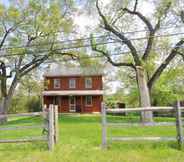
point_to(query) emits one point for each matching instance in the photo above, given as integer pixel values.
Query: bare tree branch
(143, 18)
(124, 40)
(135, 6)
(94, 48)
(4, 37)
(150, 28)
(8, 31)
(29, 67)
(119, 15)
(165, 63)
(181, 54)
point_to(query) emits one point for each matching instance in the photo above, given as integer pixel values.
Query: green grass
(80, 139)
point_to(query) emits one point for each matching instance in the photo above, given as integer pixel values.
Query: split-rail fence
(177, 110)
(49, 127)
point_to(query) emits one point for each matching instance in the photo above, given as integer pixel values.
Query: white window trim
(86, 104)
(72, 79)
(86, 85)
(57, 87)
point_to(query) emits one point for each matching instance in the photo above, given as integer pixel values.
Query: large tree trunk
(3, 109)
(6, 101)
(144, 95)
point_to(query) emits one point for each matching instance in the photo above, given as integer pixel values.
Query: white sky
(87, 23)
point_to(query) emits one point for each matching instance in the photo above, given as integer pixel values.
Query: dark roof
(72, 71)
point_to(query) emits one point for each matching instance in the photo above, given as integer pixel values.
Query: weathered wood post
(51, 128)
(179, 128)
(56, 130)
(45, 116)
(104, 126)
(44, 108)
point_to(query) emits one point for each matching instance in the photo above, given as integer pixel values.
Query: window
(88, 82)
(72, 83)
(88, 100)
(57, 83)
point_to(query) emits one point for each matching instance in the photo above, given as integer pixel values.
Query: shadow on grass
(68, 119)
(76, 118)
(24, 120)
(135, 146)
(95, 118)
(22, 147)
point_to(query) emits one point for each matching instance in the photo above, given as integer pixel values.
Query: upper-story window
(57, 83)
(72, 83)
(88, 82)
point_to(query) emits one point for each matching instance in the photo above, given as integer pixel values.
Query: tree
(165, 91)
(29, 32)
(114, 25)
(27, 96)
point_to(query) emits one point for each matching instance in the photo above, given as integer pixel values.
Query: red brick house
(73, 90)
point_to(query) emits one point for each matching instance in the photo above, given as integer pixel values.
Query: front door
(57, 101)
(72, 104)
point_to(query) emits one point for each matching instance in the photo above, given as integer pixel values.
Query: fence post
(104, 126)
(44, 108)
(45, 116)
(51, 128)
(56, 133)
(179, 125)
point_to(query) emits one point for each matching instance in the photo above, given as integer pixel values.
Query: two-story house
(73, 90)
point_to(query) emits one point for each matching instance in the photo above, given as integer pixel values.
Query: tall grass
(80, 140)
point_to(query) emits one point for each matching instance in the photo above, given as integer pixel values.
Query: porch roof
(71, 92)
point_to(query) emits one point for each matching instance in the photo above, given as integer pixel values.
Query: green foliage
(165, 92)
(169, 87)
(163, 6)
(34, 104)
(111, 101)
(43, 21)
(1, 10)
(21, 103)
(86, 62)
(28, 95)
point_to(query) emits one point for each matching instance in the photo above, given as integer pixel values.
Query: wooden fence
(49, 127)
(178, 123)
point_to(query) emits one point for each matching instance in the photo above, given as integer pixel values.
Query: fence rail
(140, 109)
(143, 139)
(22, 127)
(178, 123)
(141, 124)
(22, 114)
(50, 126)
(31, 139)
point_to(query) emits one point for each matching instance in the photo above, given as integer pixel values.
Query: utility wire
(96, 37)
(89, 45)
(78, 58)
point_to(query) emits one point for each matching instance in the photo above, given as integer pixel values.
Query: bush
(34, 104)
(25, 104)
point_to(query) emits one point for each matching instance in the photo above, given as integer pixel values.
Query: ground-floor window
(88, 100)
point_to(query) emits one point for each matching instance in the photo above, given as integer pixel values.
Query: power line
(95, 37)
(98, 56)
(88, 45)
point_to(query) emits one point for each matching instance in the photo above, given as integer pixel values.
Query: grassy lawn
(80, 139)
